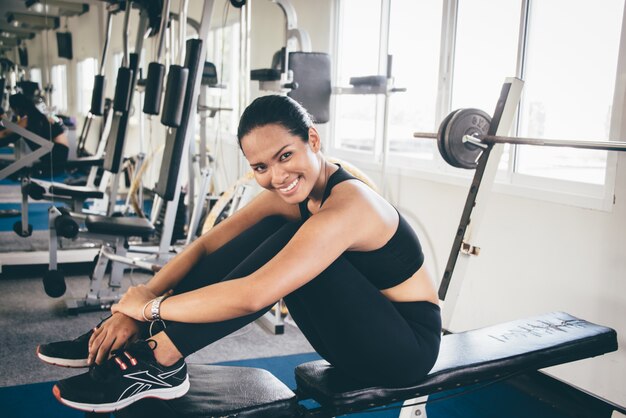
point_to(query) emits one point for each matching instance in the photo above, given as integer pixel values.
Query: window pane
(414, 39)
(356, 121)
(58, 97)
(485, 52)
(358, 52)
(570, 79)
(35, 76)
(479, 72)
(223, 51)
(86, 70)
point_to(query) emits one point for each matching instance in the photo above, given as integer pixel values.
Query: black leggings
(344, 317)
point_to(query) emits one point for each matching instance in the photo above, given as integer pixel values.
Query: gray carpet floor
(28, 317)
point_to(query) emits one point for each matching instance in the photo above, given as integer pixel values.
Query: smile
(290, 186)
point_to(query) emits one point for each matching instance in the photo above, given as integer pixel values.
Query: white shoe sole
(62, 361)
(165, 394)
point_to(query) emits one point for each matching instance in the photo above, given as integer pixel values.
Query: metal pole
(125, 61)
(165, 12)
(571, 143)
(106, 43)
(481, 141)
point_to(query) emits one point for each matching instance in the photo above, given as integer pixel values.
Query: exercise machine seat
(119, 225)
(265, 74)
(77, 192)
(85, 162)
(220, 391)
(273, 73)
(469, 357)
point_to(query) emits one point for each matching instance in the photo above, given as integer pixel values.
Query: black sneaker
(130, 375)
(72, 353)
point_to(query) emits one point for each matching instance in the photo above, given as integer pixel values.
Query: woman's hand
(112, 334)
(134, 301)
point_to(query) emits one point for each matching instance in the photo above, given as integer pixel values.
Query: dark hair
(275, 109)
(22, 105)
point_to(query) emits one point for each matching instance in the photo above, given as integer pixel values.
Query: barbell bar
(462, 136)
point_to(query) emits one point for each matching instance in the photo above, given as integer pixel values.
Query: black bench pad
(119, 225)
(79, 192)
(219, 391)
(470, 357)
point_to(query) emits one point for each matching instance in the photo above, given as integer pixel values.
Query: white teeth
(291, 186)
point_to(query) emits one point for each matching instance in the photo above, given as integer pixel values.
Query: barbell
(463, 135)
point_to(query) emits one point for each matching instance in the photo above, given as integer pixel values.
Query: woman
(31, 118)
(347, 264)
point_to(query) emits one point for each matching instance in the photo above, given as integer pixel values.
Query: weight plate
(465, 122)
(440, 137)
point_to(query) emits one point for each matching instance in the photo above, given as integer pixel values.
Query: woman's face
(283, 163)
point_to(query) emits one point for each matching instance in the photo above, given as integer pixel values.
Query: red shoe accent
(120, 363)
(56, 392)
(132, 359)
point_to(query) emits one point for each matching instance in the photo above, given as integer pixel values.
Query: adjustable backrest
(311, 73)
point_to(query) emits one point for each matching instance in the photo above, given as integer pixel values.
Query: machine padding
(79, 192)
(220, 391)
(119, 225)
(470, 357)
(311, 73)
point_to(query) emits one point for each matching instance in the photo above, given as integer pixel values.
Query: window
(223, 51)
(86, 71)
(452, 54)
(58, 96)
(569, 84)
(34, 75)
(478, 72)
(359, 47)
(414, 44)
(402, 37)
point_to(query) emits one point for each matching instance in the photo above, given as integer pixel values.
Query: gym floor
(28, 317)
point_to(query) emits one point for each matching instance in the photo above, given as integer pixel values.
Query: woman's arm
(264, 205)
(318, 242)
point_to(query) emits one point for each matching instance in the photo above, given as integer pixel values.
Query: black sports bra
(390, 264)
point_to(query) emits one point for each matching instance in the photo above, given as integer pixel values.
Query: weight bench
(468, 358)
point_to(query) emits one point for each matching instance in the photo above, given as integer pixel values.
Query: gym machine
(116, 231)
(68, 224)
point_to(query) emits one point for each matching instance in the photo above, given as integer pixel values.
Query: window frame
(575, 193)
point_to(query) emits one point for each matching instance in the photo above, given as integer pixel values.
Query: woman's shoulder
(353, 196)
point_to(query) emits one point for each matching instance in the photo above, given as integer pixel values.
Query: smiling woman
(346, 262)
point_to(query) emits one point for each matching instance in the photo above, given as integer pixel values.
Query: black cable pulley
(154, 88)
(97, 97)
(174, 96)
(121, 100)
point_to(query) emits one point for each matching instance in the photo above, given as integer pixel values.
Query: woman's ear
(315, 142)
